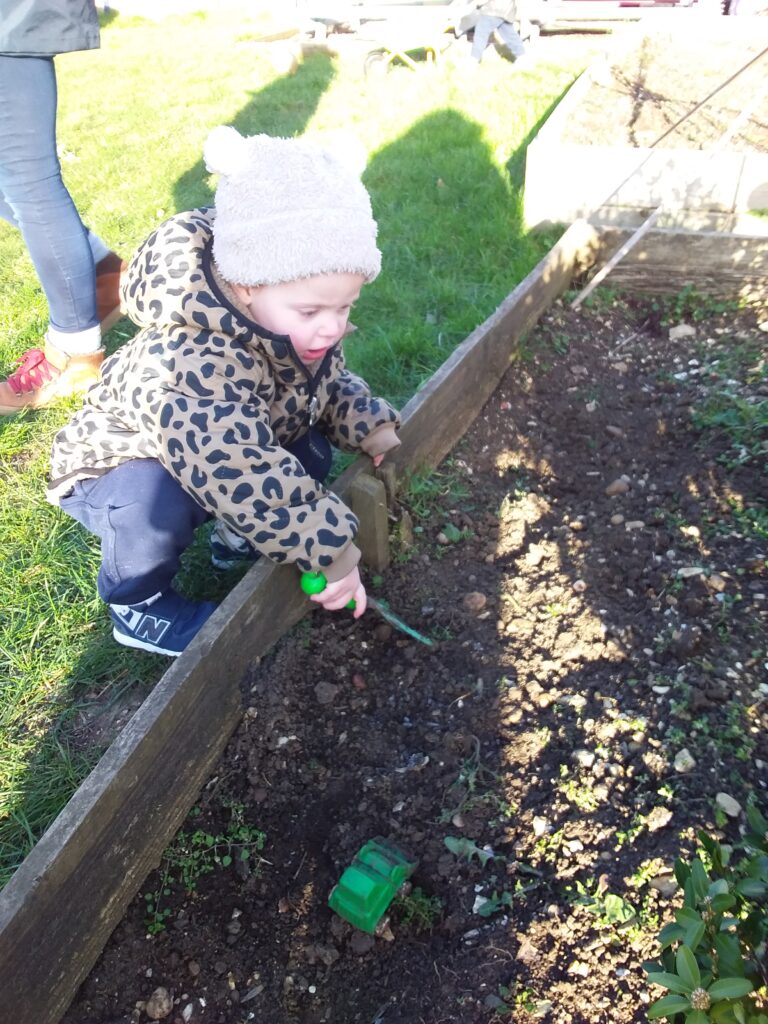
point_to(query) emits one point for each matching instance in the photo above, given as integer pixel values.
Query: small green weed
(626, 837)
(609, 909)
(416, 911)
(425, 492)
(689, 304)
(743, 421)
(467, 849)
(198, 853)
(576, 793)
(516, 996)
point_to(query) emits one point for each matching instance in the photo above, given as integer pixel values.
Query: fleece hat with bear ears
(288, 209)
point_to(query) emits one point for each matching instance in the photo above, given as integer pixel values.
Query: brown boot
(45, 375)
(108, 274)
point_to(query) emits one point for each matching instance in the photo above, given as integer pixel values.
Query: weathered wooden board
(664, 262)
(59, 909)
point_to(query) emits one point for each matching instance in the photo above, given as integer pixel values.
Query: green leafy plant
(609, 909)
(713, 960)
(467, 849)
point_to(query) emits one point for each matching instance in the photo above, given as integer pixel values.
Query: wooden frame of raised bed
(61, 906)
(620, 185)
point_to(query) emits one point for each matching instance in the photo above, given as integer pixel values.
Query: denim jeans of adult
(486, 26)
(146, 520)
(34, 197)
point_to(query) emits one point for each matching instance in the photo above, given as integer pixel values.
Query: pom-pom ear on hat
(289, 208)
(225, 151)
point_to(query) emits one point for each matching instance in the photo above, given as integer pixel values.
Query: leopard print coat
(214, 397)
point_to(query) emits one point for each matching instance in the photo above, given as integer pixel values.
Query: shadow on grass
(284, 107)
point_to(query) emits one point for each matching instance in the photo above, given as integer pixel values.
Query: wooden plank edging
(62, 904)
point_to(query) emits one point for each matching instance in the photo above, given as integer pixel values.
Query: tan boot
(45, 375)
(109, 272)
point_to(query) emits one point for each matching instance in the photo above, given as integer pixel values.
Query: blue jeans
(485, 27)
(34, 198)
(146, 520)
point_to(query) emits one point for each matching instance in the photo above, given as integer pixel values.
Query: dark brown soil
(650, 82)
(583, 640)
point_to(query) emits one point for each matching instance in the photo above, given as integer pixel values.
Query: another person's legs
(34, 198)
(483, 30)
(511, 39)
(145, 521)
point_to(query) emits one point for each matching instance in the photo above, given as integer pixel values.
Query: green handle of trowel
(315, 583)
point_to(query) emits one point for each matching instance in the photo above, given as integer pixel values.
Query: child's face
(313, 311)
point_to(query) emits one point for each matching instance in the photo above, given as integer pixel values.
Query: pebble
(658, 817)
(634, 524)
(681, 331)
(717, 583)
(325, 693)
(159, 1004)
(580, 969)
(358, 680)
(583, 758)
(614, 431)
(361, 943)
(534, 555)
(687, 571)
(726, 803)
(620, 486)
(541, 827)
(617, 520)
(194, 968)
(684, 762)
(579, 586)
(474, 602)
(666, 885)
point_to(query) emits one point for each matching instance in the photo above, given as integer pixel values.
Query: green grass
(444, 172)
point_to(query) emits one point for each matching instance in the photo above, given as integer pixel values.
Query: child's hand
(378, 459)
(338, 595)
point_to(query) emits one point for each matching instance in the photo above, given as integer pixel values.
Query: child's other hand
(338, 595)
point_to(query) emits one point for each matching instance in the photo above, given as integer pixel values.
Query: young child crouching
(227, 402)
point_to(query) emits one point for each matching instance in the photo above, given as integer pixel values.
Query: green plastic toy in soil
(369, 884)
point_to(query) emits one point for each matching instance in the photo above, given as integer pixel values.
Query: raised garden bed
(593, 157)
(59, 910)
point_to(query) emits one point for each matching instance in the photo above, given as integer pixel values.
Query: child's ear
(244, 293)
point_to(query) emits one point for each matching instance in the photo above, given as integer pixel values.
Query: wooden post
(368, 500)
(388, 476)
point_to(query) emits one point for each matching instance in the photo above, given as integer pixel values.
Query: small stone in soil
(620, 486)
(726, 803)
(684, 762)
(326, 693)
(361, 943)
(159, 1004)
(474, 602)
